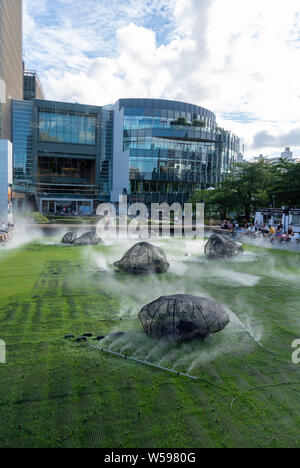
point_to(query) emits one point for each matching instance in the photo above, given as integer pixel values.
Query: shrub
(199, 123)
(35, 218)
(181, 121)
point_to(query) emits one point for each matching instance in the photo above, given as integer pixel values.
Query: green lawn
(55, 393)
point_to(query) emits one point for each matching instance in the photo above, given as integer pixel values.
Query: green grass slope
(55, 393)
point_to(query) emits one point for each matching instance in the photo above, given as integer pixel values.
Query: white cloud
(230, 56)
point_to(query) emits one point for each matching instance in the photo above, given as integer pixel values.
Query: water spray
(157, 366)
(252, 335)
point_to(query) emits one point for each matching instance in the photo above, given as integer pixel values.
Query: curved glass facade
(174, 149)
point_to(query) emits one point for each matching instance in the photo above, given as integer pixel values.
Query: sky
(238, 58)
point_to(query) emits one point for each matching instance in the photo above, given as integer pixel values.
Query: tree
(217, 201)
(285, 183)
(253, 185)
(250, 182)
(244, 189)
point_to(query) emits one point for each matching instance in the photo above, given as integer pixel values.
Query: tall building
(287, 154)
(72, 156)
(11, 63)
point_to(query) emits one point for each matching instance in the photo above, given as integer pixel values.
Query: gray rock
(144, 258)
(221, 247)
(88, 238)
(183, 317)
(69, 238)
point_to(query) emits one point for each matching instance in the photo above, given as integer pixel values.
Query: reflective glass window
(67, 128)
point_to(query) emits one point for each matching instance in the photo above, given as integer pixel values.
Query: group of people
(273, 233)
(279, 235)
(257, 230)
(227, 225)
(5, 231)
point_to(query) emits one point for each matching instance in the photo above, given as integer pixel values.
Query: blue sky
(92, 23)
(240, 59)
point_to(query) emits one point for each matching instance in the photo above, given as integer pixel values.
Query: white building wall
(120, 164)
(6, 176)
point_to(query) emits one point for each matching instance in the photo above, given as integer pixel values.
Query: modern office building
(170, 149)
(11, 62)
(71, 157)
(62, 155)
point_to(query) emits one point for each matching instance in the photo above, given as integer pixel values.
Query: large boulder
(88, 238)
(69, 238)
(144, 258)
(183, 317)
(221, 247)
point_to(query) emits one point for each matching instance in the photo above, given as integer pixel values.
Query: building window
(66, 170)
(67, 128)
(296, 220)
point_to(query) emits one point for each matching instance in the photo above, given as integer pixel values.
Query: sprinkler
(157, 366)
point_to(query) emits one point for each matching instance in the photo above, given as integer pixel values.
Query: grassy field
(55, 393)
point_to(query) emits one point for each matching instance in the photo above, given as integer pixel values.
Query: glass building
(11, 61)
(173, 149)
(62, 155)
(70, 157)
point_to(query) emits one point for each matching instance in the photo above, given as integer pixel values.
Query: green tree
(244, 189)
(250, 186)
(284, 186)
